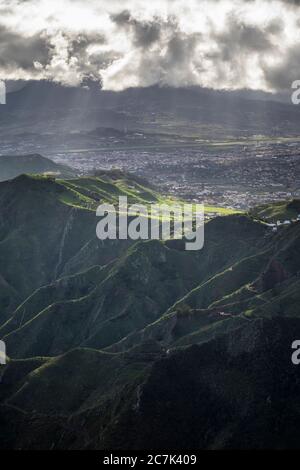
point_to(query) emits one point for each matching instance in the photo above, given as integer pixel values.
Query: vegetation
(115, 344)
(284, 210)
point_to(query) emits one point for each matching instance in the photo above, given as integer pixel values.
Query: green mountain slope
(284, 210)
(121, 344)
(49, 226)
(137, 290)
(231, 392)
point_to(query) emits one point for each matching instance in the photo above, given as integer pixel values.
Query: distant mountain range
(237, 113)
(133, 345)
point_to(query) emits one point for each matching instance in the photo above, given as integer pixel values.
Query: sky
(218, 44)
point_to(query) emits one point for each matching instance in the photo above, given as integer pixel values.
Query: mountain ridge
(147, 334)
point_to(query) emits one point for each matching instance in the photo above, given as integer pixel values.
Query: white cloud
(214, 43)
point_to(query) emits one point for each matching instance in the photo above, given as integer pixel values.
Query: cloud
(212, 43)
(144, 33)
(281, 75)
(71, 61)
(239, 38)
(19, 51)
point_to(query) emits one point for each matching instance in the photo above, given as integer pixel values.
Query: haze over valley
(234, 149)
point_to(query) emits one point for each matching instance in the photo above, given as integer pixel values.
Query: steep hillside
(48, 226)
(121, 344)
(237, 391)
(278, 211)
(133, 292)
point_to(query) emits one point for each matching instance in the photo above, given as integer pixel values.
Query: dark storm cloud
(38, 52)
(19, 51)
(145, 32)
(289, 2)
(275, 27)
(88, 63)
(292, 2)
(80, 42)
(175, 66)
(282, 75)
(239, 38)
(78, 48)
(164, 53)
(236, 45)
(122, 18)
